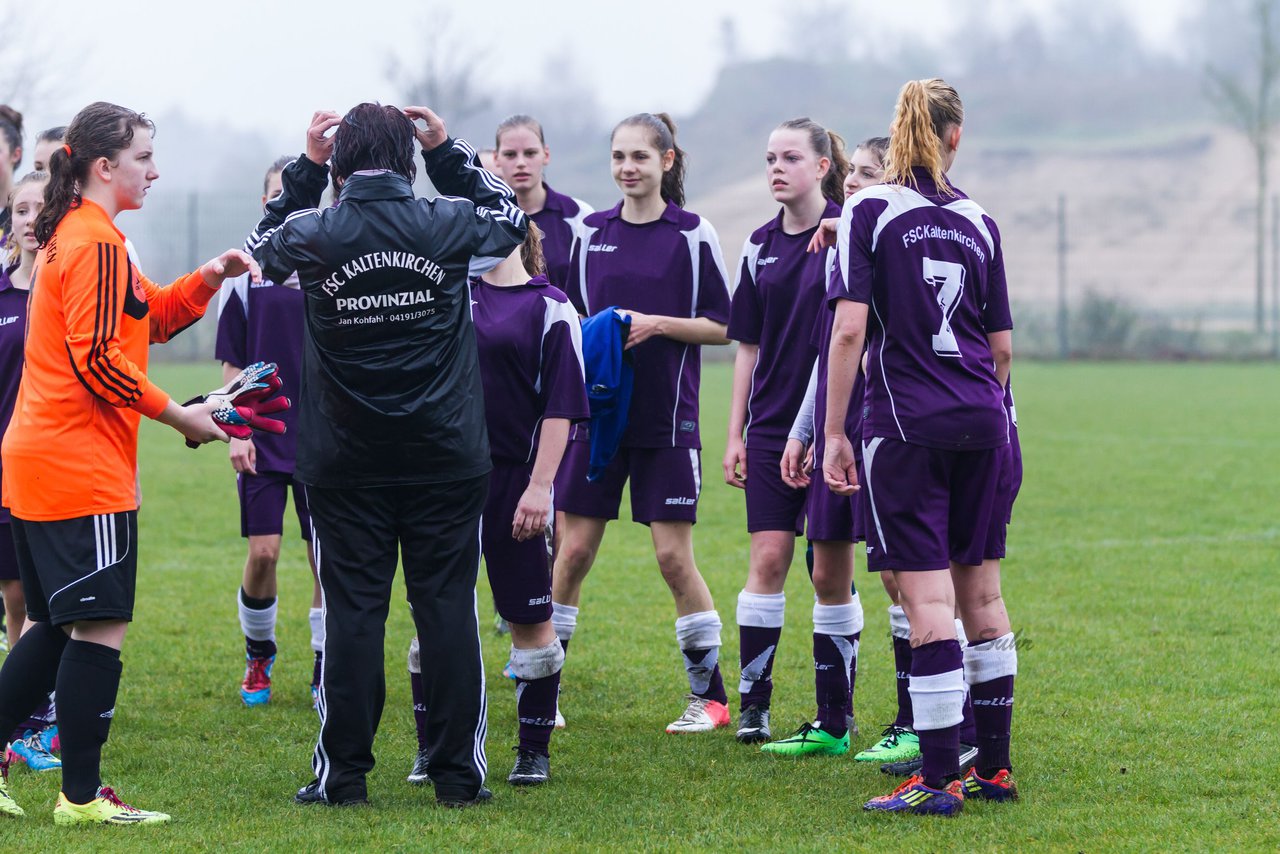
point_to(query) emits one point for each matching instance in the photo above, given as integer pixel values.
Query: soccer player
(391, 434)
(920, 280)
(263, 322)
(522, 154)
(661, 266)
(46, 143)
(530, 349)
(70, 453)
(10, 159)
(779, 294)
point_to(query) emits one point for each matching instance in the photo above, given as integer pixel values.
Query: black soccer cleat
(753, 725)
(481, 797)
(968, 755)
(419, 774)
(312, 794)
(531, 769)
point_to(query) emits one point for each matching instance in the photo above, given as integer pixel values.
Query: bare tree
(1249, 100)
(442, 72)
(26, 75)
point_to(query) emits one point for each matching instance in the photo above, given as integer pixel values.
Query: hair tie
(67, 149)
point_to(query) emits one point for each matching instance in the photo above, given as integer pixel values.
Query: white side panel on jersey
(584, 210)
(750, 255)
(972, 211)
(240, 287)
(559, 312)
(585, 241)
(704, 233)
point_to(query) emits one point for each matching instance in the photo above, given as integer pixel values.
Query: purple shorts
(833, 517)
(8, 557)
(771, 504)
(1006, 493)
(665, 484)
(519, 572)
(927, 508)
(262, 500)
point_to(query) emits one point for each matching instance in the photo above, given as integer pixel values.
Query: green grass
(1141, 576)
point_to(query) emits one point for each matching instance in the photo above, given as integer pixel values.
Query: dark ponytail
(828, 144)
(99, 130)
(531, 252)
(11, 129)
(663, 130)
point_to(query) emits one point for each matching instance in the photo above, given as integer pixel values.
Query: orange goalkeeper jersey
(71, 449)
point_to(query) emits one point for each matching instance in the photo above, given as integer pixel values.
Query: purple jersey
(672, 267)
(931, 270)
(779, 290)
(264, 323)
(560, 220)
(13, 327)
(530, 345)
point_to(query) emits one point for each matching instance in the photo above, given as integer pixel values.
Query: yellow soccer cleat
(104, 809)
(8, 806)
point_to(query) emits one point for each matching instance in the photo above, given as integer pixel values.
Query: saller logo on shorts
(682, 502)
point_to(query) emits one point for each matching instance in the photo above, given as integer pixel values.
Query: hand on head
(434, 134)
(319, 140)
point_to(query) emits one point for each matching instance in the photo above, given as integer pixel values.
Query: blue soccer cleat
(999, 788)
(255, 690)
(49, 739)
(32, 752)
(914, 797)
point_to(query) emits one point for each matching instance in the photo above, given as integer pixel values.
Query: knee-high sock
(937, 699)
(88, 680)
(564, 619)
(29, 673)
(537, 684)
(760, 618)
(419, 696)
(836, 629)
(900, 629)
(990, 669)
(258, 622)
(698, 636)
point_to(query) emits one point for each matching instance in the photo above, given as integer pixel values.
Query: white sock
(257, 625)
(316, 616)
(564, 619)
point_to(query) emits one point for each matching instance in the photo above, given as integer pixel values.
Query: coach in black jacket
(391, 435)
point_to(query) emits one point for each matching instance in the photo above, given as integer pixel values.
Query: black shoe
(462, 803)
(531, 769)
(419, 775)
(753, 725)
(968, 755)
(311, 794)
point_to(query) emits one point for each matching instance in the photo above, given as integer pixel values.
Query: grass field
(1141, 578)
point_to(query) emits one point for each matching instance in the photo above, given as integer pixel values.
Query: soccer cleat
(419, 774)
(49, 739)
(531, 769)
(897, 744)
(810, 740)
(482, 796)
(106, 808)
(311, 794)
(8, 806)
(913, 796)
(968, 755)
(255, 690)
(999, 788)
(701, 715)
(32, 752)
(753, 724)
(508, 672)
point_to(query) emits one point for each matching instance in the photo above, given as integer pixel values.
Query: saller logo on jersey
(384, 300)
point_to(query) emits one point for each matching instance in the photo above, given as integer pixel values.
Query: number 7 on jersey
(947, 280)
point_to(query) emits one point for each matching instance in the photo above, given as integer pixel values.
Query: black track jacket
(391, 388)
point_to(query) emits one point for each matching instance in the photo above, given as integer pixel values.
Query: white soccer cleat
(701, 715)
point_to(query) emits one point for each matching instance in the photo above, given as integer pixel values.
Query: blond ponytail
(925, 109)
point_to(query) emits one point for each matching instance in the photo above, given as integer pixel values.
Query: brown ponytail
(531, 253)
(828, 144)
(99, 130)
(925, 109)
(663, 130)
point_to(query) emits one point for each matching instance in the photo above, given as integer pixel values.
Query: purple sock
(832, 655)
(993, 715)
(902, 663)
(536, 712)
(968, 729)
(419, 709)
(703, 667)
(757, 647)
(316, 668)
(939, 746)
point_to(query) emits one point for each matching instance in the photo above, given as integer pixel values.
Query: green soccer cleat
(809, 740)
(8, 806)
(106, 808)
(898, 744)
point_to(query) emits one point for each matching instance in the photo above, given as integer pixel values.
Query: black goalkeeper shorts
(78, 569)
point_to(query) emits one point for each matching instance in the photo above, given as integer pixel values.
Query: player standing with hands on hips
(391, 429)
(921, 280)
(71, 450)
